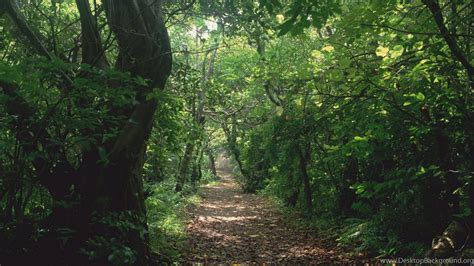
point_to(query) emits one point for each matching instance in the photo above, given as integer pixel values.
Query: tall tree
(107, 178)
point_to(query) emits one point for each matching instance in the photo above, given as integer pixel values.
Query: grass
(213, 183)
(167, 216)
(167, 220)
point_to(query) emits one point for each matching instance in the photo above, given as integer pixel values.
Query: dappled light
(248, 132)
(230, 226)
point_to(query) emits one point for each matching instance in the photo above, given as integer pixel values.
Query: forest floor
(230, 226)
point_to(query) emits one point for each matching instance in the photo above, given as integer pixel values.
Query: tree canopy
(356, 115)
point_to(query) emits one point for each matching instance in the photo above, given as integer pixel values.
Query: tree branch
(92, 50)
(30, 135)
(12, 10)
(19, 20)
(435, 9)
(414, 32)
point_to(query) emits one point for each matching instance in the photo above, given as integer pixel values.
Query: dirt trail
(233, 227)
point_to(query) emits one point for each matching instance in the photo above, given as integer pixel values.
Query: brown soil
(233, 227)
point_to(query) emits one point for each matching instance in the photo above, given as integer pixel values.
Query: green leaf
(328, 48)
(335, 75)
(397, 51)
(141, 81)
(280, 18)
(344, 62)
(103, 158)
(279, 110)
(418, 45)
(382, 51)
(420, 96)
(286, 27)
(316, 54)
(359, 138)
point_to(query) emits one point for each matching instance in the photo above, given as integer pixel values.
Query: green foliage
(358, 116)
(375, 106)
(111, 240)
(166, 219)
(164, 143)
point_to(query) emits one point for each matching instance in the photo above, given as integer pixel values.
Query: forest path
(233, 227)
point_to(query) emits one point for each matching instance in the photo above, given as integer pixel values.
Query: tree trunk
(231, 135)
(184, 167)
(346, 195)
(144, 50)
(450, 200)
(199, 119)
(197, 171)
(294, 183)
(212, 163)
(114, 187)
(456, 51)
(304, 157)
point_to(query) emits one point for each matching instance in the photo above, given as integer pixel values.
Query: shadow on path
(233, 227)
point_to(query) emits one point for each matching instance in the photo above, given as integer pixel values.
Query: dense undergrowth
(166, 220)
(356, 237)
(167, 216)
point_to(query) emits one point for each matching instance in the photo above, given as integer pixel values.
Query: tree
(356, 115)
(105, 179)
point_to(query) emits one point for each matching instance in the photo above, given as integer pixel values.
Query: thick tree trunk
(114, 187)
